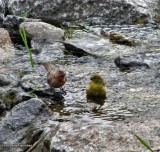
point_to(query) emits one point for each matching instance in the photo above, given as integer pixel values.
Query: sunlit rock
(6, 47)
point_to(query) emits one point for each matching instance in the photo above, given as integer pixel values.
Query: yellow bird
(96, 88)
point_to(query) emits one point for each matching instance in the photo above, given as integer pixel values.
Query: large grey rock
(108, 137)
(15, 125)
(127, 63)
(111, 11)
(83, 42)
(12, 96)
(43, 32)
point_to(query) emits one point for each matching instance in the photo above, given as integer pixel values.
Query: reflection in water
(59, 108)
(86, 113)
(99, 101)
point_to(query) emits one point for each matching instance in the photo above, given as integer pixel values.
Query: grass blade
(143, 142)
(24, 38)
(35, 89)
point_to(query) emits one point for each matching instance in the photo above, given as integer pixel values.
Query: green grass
(24, 38)
(143, 142)
(35, 89)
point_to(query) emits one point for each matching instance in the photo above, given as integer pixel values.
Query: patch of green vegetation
(8, 98)
(141, 20)
(69, 28)
(32, 92)
(22, 73)
(25, 14)
(24, 38)
(68, 33)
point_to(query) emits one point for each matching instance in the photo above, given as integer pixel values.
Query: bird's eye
(93, 79)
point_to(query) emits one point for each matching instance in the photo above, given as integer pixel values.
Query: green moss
(8, 98)
(68, 33)
(22, 73)
(157, 19)
(141, 20)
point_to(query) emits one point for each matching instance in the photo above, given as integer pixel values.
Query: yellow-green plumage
(96, 87)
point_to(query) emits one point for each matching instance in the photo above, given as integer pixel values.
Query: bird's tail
(47, 66)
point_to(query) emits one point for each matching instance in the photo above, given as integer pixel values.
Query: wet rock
(11, 97)
(49, 52)
(16, 124)
(87, 43)
(127, 63)
(29, 82)
(58, 11)
(37, 85)
(6, 48)
(138, 61)
(83, 43)
(42, 32)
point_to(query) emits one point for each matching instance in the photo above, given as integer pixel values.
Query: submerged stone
(124, 63)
